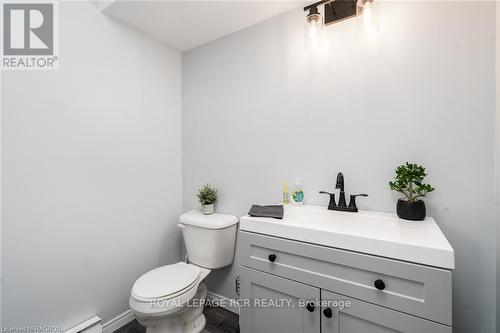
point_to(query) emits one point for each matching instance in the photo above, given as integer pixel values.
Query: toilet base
(194, 327)
(188, 320)
(197, 326)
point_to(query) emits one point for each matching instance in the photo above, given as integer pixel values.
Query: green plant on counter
(409, 181)
(207, 195)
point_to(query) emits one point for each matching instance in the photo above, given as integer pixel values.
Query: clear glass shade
(367, 12)
(313, 31)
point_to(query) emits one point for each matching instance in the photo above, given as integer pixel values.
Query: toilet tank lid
(213, 221)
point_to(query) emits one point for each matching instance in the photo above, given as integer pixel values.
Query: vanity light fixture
(335, 11)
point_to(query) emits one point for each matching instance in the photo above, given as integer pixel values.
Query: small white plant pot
(208, 209)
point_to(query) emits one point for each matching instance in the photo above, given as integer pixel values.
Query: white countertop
(381, 234)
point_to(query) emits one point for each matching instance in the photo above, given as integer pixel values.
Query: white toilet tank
(210, 239)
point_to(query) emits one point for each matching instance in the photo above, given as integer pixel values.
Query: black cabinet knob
(379, 284)
(328, 313)
(272, 257)
(310, 306)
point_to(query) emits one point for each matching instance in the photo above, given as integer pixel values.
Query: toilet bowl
(167, 299)
(170, 299)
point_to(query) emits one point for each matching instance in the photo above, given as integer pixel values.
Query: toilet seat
(166, 282)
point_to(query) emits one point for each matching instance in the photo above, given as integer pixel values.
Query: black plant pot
(411, 210)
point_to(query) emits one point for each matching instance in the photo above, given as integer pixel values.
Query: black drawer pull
(272, 257)
(379, 284)
(328, 313)
(310, 306)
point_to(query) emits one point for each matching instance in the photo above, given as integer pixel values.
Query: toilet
(169, 299)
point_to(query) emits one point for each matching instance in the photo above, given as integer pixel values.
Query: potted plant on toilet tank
(208, 197)
(409, 181)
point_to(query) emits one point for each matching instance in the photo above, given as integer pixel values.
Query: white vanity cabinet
(292, 284)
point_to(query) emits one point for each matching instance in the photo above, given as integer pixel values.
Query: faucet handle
(332, 199)
(352, 201)
(339, 184)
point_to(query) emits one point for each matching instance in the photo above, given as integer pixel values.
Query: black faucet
(342, 206)
(339, 185)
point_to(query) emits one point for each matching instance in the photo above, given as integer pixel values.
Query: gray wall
(259, 111)
(497, 150)
(92, 172)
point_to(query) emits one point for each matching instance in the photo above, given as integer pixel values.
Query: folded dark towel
(274, 211)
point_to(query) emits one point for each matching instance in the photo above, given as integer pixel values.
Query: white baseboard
(118, 322)
(90, 325)
(224, 302)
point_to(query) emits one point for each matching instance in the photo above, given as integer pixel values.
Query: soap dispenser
(286, 199)
(298, 193)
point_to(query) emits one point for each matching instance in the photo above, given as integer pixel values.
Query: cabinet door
(287, 314)
(341, 314)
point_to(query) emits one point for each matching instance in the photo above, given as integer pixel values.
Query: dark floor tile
(220, 320)
(132, 327)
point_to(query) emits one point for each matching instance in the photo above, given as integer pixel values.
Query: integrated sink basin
(380, 234)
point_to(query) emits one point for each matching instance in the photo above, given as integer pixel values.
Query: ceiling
(187, 24)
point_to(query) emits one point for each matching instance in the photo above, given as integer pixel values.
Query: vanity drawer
(415, 289)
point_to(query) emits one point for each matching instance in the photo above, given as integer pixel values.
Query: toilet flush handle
(182, 226)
